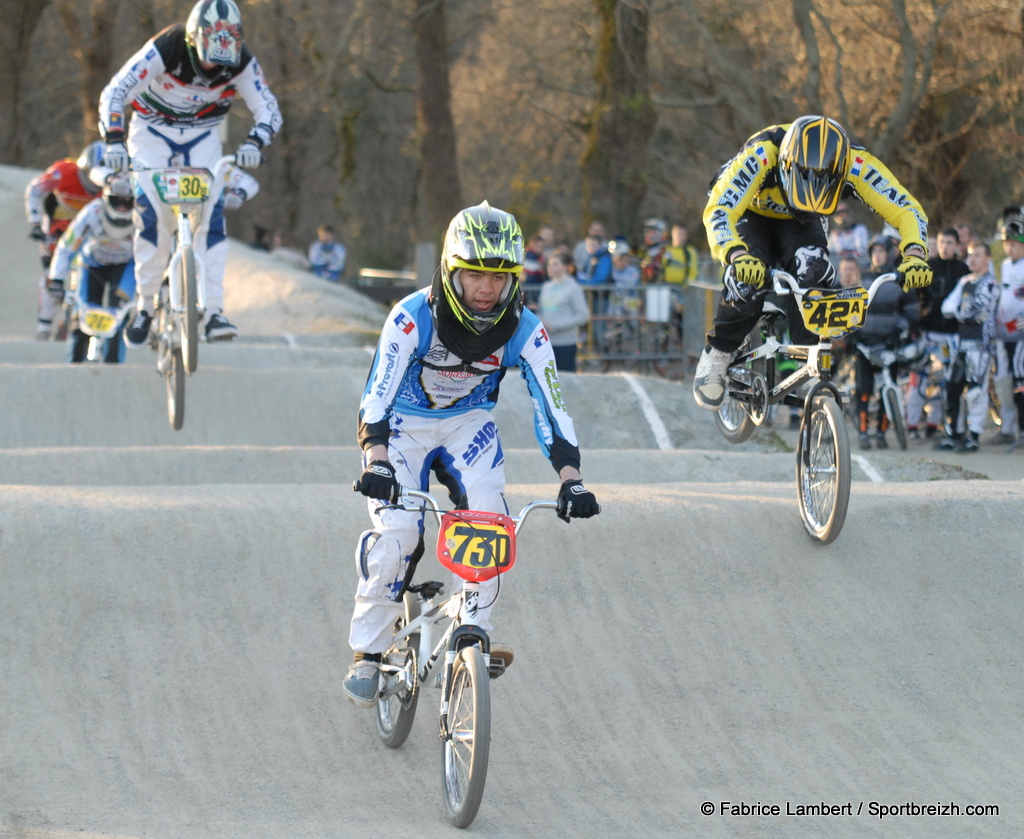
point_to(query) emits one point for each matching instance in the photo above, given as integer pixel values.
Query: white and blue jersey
(413, 373)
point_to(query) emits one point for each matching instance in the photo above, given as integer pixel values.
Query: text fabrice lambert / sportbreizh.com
(870, 809)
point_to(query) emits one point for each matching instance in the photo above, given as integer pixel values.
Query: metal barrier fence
(658, 327)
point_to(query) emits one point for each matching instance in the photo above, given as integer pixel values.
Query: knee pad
(813, 268)
(367, 539)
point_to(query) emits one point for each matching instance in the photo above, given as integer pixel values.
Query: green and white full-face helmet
(480, 238)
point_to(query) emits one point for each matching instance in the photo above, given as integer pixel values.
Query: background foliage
(931, 86)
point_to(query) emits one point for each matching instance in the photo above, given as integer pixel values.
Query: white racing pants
(919, 406)
(1009, 371)
(465, 449)
(152, 146)
(968, 378)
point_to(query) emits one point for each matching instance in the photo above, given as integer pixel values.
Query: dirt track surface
(174, 609)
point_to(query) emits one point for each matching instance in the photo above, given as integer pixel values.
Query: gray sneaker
(362, 684)
(709, 378)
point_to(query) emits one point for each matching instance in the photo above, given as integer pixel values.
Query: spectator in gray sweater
(562, 308)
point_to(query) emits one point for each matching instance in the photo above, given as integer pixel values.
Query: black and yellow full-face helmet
(480, 238)
(814, 160)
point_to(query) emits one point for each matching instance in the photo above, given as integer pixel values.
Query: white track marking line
(869, 470)
(651, 413)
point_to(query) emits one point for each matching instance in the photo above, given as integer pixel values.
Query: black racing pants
(799, 246)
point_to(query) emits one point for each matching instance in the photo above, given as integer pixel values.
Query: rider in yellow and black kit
(766, 208)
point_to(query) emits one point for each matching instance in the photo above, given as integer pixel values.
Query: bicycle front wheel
(396, 712)
(893, 403)
(823, 470)
(175, 377)
(464, 753)
(190, 319)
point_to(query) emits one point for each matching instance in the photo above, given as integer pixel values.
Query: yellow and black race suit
(750, 183)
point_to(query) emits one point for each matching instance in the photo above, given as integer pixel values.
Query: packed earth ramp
(174, 610)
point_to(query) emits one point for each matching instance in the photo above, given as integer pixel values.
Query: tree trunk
(93, 54)
(20, 21)
(442, 194)
(622, 121)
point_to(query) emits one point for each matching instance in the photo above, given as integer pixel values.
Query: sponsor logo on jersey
(554, 388)
(480, 443)
(391, 357)
(404, 323)
(881, 185)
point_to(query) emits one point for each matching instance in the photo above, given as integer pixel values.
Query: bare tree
(442, 194)
(89, 28)
(623, 118)
(20, 21)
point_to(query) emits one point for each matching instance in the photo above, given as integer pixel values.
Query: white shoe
(709, 378)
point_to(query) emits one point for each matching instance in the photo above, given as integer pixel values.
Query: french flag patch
(403, 323)
(761, 155)
(858, 162)
(541, 339)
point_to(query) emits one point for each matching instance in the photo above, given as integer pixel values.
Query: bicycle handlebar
(430, 505)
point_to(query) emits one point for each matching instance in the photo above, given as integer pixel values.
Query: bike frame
(815, 359)
(429, 655)
(189, 218)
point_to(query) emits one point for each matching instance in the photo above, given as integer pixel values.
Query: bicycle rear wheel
(464, 754)
(190, 319)
(893, 403)
(823, 470)
(395, 713)
(733, 418)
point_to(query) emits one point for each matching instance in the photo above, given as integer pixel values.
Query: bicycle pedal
(501, 659)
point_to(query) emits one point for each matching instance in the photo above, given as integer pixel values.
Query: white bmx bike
(182, 301)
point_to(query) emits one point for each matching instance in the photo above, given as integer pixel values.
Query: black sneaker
(970, 444)
(865, 441)
(136, 334)
(946, 444)
(880, 441)
(219, 329)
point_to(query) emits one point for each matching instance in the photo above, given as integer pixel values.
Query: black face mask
(462, 342)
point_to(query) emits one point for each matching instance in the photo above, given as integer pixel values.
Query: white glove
(248, 155)
(115, 155)
(233, 198)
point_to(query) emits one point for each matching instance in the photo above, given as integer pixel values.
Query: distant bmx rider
(180, 86)
(767, 208)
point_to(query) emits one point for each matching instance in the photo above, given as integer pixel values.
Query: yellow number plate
(182, 186)
(476, 546)
(98, 322)
(832, 314)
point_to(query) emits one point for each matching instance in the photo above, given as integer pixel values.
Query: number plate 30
(182, 186)
(833, 314)
(476, 546)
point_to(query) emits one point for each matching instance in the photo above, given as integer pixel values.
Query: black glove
(37, 233)
(55, 288)
(575, 501)
(378, 481)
